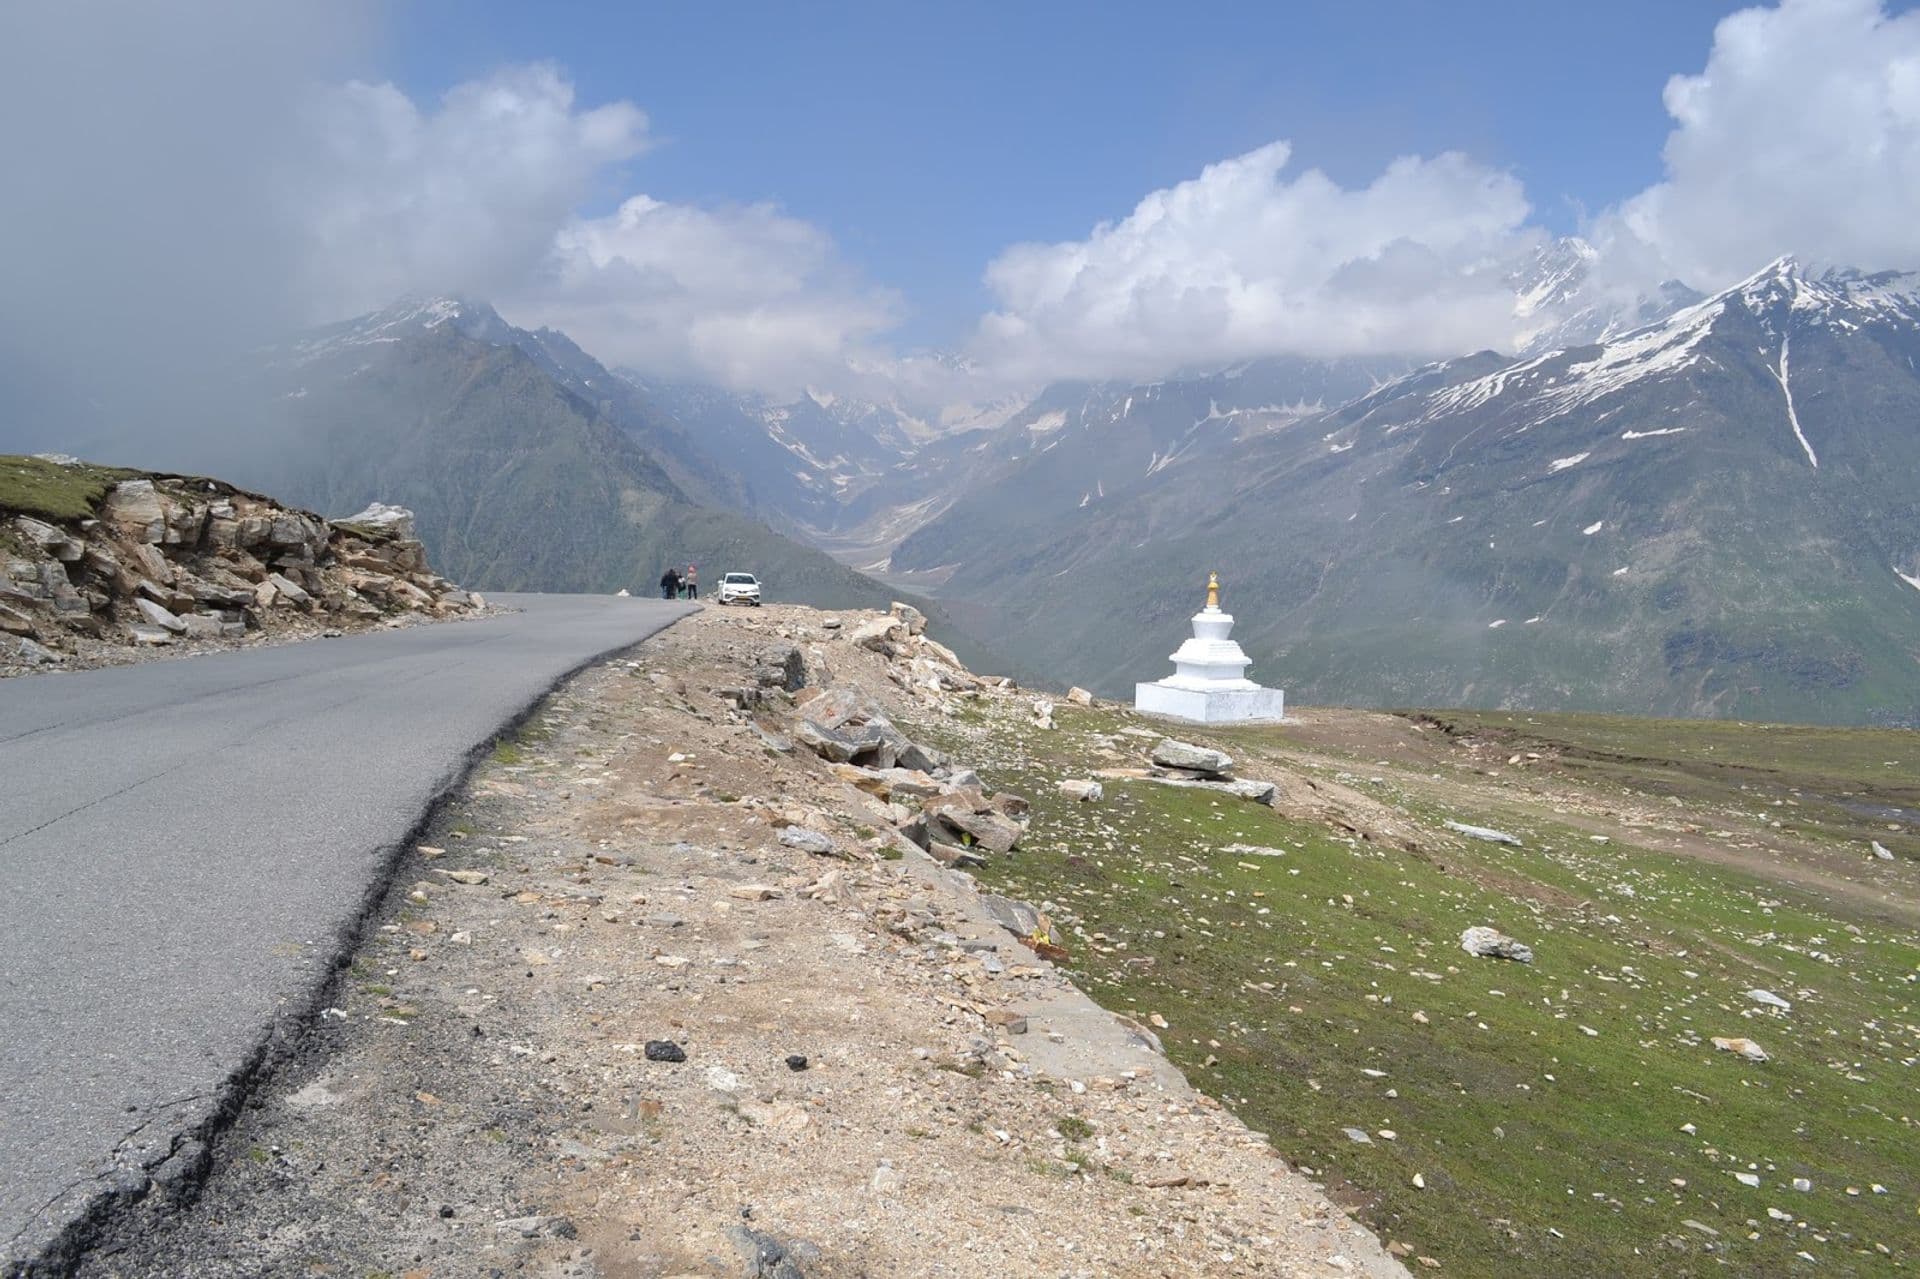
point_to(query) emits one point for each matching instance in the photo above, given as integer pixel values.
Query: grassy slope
(1543, 1147)
(49, 491)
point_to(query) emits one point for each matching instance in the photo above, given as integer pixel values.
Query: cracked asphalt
(186, 847)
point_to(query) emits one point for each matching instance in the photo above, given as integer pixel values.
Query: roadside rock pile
(164, 560)
(942, 809)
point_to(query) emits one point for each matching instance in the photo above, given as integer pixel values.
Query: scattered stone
(754, 892)
(807, 840)
(1744, 1047)
(664, 1050)
(1079, 696)
(1491, 943)
(1484, 833)
(1882, 852)
(766, 1256)
(1008, 1020)
(796, 1062)
(1770, 999)
(1358, 1136)
(467, 876)
(1083, 789)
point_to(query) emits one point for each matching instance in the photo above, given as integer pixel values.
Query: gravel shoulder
(877, 1078)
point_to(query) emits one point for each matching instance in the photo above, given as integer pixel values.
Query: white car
(739, 588)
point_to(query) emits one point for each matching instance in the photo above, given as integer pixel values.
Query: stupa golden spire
(1213, 590)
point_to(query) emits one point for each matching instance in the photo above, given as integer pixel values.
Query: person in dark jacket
(669, 585)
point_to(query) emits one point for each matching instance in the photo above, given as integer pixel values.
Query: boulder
(824, 742)
(161, 617)
(781, 666)
(149, 635)
(1200, 759)
(1741, 1047)
(908, 616)
(14, 622)
(1485, 834)
(807, 841)
(380, 522)
(964, 824)
(27, 652)
(1084, 789)
(1079, 696)
(54, 541)
(134, 508)
(1491, 943)
(292, 592)
(198, 626)
(879, 635)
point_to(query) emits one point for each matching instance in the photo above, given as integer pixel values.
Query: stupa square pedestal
(1211, 706)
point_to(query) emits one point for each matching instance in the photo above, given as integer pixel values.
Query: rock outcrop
(160, 560)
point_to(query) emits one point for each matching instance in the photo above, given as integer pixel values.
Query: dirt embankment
(668, 992)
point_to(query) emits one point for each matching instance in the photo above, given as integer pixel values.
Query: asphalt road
(183, 846)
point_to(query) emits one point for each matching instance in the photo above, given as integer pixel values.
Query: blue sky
(926, 139)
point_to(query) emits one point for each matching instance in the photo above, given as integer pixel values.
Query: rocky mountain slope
(526, 464)
(103, 561)
(1711, 515)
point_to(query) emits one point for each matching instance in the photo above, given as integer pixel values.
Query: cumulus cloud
(466, 197)
(1244, 261)
(1801, 135)
(748, 295)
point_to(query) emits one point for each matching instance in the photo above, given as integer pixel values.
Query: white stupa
(1209, 684)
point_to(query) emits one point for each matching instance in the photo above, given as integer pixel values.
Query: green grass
(507, 753)
(49, 491)
(1544, 1148)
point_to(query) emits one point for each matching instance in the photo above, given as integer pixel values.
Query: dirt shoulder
(877, 1078)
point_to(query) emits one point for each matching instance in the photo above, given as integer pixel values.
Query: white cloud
(1801, 135)
(1242, 261)
(467, 197)
(745, 295)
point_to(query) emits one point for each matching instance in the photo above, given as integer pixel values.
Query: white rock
(807, 841)
(1486, 833)
(1770, 999)
(1083, 789)
(720, 1079)
(1881, 851)
(1491, 943)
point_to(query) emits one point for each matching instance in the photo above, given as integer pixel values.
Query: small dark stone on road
(446, 1210)
(796, 1062)
(665, 1050)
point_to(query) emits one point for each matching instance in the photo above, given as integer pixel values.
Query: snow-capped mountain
(1558, 302)
(1712, 514)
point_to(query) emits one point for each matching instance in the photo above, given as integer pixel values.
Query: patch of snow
(1531, 620)
(1786, 389)
(1645, 435)
(1048, 422)
(1496, 625)
(1620, 572)
(1562, 463)
(1341, 448)
(1914, 582)
(1593, 528)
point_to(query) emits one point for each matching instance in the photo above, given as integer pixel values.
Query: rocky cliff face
(100, 563)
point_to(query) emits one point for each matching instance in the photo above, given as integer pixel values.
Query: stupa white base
(1210, 706)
